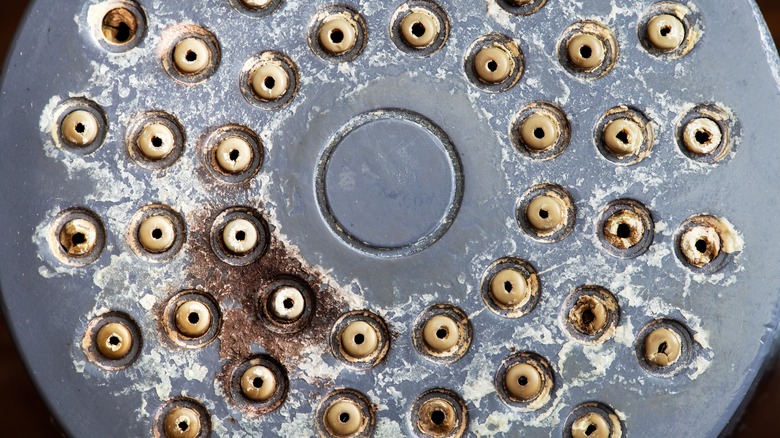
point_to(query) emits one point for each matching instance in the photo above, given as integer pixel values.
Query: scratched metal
(732, 314)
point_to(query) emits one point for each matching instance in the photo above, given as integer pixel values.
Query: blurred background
(23, 414)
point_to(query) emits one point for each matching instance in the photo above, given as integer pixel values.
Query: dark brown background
(22, 413)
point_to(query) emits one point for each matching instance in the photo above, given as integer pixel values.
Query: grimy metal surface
(416, 224)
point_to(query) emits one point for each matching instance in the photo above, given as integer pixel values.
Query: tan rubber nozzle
(191, 56)
(586, 51)
(182, 422)
(437, 417)
(420, 28)
(234, 155)
(114, 341)
(240, 237)
(624, 229)
(359, 340)
(156, 141)
(589, 315)
(494, 64)
(344, 418)
(663, 347)
(509, 288)
(702, 136)
(700, 245)
(540, 132)
(193, 319)
(546, 214)
(338, 34)
(79, 128)
(256, 4)
(287, 303)
(441, 334)
(270, 81)
(666, 32)
(78, 237)
(258, 383)
(590, 425)
(119, 26)
(623, 137)
(524, 382)
(157, 234)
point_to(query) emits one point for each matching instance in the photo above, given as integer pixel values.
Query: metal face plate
(458, 227)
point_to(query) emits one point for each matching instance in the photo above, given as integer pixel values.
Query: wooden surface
(23, 414)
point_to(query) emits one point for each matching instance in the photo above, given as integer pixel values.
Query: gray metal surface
(732, 314)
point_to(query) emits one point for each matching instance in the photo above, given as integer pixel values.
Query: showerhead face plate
(419, 218)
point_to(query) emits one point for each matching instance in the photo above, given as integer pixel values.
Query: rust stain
(238, 289)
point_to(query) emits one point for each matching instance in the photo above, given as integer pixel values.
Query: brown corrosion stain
(238, 290)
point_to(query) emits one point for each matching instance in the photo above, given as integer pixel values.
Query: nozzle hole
(623, 136)
(623, 231)
(703, 137)
(438, 417)
(418, 30)
(78, 238)
(193, 317)
(336, 36)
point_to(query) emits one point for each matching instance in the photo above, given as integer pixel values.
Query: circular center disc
(389, 183)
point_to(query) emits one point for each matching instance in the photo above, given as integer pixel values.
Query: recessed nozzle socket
(665, 347)
(707, 243)
(510, 287)
(112, 341)
(593, 420)
(442, 333)
(420, 27)
(588, 50)
(624, 136)
(590, 314)
(360, 339)
(626, 228)
(540, 131)
(270, 80)
(182, 418)
(345, 413)
(439, 413)
(547, 213)
(524, 381)
(192, 319)
(193, 54)
(669, 30)
(495, 63)
(338, 33)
